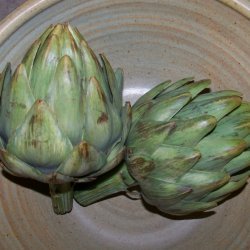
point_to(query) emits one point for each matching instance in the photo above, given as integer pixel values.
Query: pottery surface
(152, 41)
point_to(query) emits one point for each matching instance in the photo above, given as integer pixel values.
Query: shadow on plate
(43, 189)
(36, 186)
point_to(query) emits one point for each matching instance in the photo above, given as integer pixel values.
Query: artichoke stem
(108, 185)
(62, 197)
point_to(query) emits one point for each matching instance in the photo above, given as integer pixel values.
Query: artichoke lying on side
(61, 114)
(187, 151)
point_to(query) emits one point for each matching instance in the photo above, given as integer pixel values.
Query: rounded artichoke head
(189, 150)
(61, 114)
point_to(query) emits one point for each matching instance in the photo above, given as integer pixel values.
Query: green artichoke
(61, 114)
(187, 150)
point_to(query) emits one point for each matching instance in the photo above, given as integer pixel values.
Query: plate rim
(30, 8)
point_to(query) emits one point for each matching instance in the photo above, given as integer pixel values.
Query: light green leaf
(44, 66)
(98, 122)
(39, 141)
(83, 160)
(65, 97)
(16, 102)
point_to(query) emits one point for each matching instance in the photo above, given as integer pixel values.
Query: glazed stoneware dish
(152, 41)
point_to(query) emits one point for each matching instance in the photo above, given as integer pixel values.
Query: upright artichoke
(186, 151)
(61, 114)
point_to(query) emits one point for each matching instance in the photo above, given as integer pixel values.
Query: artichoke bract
(61, 114)
(187, 150)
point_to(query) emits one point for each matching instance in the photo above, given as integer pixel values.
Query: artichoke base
(61, 197)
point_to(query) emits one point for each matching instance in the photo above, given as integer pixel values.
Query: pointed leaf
(203, 182)
(83, 160)
(139, 164)
(92, 69)
(217, 95)
(46, 33)
(238, 163)
(217, 152)
(217, 107)
(166, 201)
(190, 132)
(57, 30)
(117, 125)
(116, 91)
(30, 56)
(79, 39)
(139, 111)
(194, 88)
(69, 47)
(44, 66)
(234, 126)
(20, 168)
(98, 123)
(39, 141)
(172, 162)
(126, 121)
(226, 190)
(4, 90)
(65, 97)
(149, 135)
(243, 109)
(178, 84)
(114, 158)
(119, 76)
(160, 192)
(16, 102)
(151, 94)
(5, 79)
(165, 109)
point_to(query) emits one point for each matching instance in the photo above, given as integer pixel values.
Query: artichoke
(188, 149)
(61, 114)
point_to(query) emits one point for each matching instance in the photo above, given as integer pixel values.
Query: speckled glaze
(152, 41)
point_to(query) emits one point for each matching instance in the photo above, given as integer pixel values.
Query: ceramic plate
(152, 41)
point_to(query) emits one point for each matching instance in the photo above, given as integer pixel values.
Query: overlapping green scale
(213, 124)
(62, 118)
(65, 98)
(188, 148)
(38, 140)
(17, 99)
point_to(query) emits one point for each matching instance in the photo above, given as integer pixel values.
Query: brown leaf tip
(84, 149)
(102, 118)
